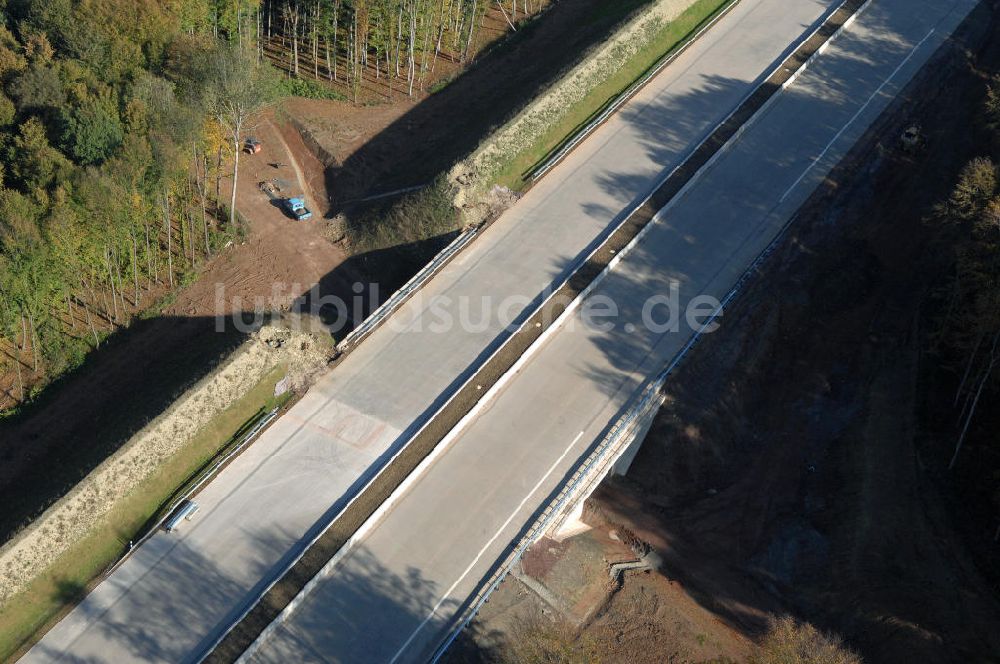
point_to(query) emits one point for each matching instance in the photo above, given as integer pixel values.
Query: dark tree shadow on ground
(81, 419)
(449, 124)
(63, 448)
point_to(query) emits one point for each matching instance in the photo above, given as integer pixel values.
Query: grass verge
(54, 592)
(671, 37)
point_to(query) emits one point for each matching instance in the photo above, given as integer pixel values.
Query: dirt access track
(791, 471)
(282, 258)
(136, 374)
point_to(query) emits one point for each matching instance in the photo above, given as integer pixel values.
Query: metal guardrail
(388, 307)
(584, 132)
(603, 456)
(208, 475)
(417, 281)
(610, 447)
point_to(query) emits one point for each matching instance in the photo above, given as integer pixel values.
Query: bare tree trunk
(111, 278)
(437, 44)
(204, 225)
(170, 235)
(336, 27)
(356, 73)
(424, 48)
(150, 265)
(35, 350)
(121, 284)
(975, 402)
(399, 37)
(295, 42)
(239, 26)
(472, 33)
(218, 176)
(190, 234)
(315, 41)
(237, 130)
(260, 35)
(459, 26)
(388, 73)
(507, 18)
(18, 360)
(135, 267)
(411, 59)
(90, 323)
(329, 63)
(107, 308)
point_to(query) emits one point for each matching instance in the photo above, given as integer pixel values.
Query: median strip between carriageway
(333, 542)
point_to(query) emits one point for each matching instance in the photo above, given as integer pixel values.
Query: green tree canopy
(7, 110)
(91, 131)
(34, 162)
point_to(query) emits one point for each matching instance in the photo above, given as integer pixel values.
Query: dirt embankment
(791, 471)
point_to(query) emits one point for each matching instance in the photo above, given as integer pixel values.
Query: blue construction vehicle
(297, 208)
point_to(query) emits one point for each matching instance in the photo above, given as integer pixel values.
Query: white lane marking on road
(482, 551)
(840, 133)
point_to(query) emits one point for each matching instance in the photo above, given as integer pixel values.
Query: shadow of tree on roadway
(358, 601)
(126, 625)
(55, 441)
(447, 125)
(345, 618)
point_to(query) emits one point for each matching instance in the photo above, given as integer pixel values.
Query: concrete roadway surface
(392, 597)
(179, 592)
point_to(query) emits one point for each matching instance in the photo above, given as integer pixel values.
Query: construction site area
(793, 494)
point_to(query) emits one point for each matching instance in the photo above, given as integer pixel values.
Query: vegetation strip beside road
(642, 38)
(27, 616)
(675, 37)
(695, 19)
(379, 489)
(225, 455)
